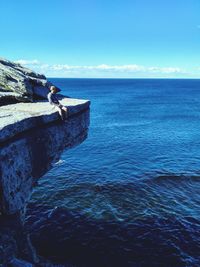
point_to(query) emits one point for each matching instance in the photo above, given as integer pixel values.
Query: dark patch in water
(174, 177)
(64, 236)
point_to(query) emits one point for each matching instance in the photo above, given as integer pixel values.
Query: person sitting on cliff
(53, 100)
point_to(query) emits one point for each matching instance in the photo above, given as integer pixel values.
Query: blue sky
(103, 38)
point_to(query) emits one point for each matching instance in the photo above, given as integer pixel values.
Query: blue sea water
(130, 194)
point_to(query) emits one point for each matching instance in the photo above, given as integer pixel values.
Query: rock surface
(20, 83)
(20, 117)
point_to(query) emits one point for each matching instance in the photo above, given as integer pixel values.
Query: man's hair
(53, 88)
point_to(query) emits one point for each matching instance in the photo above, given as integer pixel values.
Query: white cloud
(115, 68)
(165, 70)
(102, 70)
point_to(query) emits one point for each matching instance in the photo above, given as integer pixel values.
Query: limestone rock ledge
(20, 117)
(32, 137)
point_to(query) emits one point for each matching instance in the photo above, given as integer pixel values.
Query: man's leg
(65, 111)
(60, 111)
(62, 114)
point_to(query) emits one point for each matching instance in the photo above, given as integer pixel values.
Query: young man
(53, 100)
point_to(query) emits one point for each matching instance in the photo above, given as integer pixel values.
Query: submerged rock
(20, 84)
(20, 263)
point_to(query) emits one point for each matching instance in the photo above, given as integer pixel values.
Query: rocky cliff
(19, 84)
(32, 137)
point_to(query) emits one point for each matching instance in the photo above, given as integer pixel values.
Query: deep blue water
(130, 194)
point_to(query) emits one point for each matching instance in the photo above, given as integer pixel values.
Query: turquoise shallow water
(130, 194)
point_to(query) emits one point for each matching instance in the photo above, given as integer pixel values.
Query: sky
(103, 38)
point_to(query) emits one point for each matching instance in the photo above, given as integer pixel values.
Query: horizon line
(127, 78)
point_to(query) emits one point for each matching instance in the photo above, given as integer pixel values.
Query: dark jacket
(53, 100)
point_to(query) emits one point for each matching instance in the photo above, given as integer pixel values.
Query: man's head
(53, 89)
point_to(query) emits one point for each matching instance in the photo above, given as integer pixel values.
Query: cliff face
(28, 149)
(32, 137)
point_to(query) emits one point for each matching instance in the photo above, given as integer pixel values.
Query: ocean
(129, 196)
